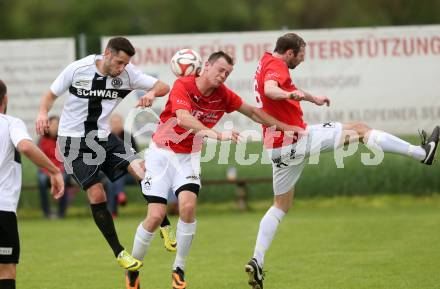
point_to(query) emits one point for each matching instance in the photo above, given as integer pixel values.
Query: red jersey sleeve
(276, 72)
(179, 98)
(234, 101)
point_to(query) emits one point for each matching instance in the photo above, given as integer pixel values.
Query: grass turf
(323, 243)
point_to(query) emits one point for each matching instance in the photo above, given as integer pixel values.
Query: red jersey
(207, 109)
(288, 111)
(48, 147)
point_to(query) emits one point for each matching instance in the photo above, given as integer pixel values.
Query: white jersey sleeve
(18, 131)
(64, 80)
(139, 80)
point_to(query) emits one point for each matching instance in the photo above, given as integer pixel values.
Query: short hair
(3, 90)
(54, 117)
(121, 43)
(220, 54)
(289, 41)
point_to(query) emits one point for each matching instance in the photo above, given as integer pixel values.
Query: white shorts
(168, 172)
(288, 161)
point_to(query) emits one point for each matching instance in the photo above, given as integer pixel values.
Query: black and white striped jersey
(92, 96)
(12, 132)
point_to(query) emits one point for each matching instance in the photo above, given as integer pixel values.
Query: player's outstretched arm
(273, 91)
(318, 100)
(189, 122)
(159, 89)
(260, 116)
(32, 152)
(42, 122)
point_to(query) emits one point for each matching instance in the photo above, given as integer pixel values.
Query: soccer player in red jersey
(194, 106)
(279, 97)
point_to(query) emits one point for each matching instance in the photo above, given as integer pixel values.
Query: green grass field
(343, 232)
(323, 243)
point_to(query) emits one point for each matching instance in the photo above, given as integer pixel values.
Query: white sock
(268, 227)
(184, 235)
(392, 144)
(142, 241)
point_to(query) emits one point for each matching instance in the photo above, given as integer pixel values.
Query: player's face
(218, 72)
(293, 61)
(115, 62)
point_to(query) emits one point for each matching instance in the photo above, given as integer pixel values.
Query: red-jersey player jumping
(279, 97)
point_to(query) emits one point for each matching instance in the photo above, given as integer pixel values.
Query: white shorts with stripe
(288, 161)
(167, 171)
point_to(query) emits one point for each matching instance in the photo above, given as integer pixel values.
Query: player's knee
(360, 128)
(283, 202)
(284, 207)
(7, 271)
(187, 211)
(155, 219)
(96, 194)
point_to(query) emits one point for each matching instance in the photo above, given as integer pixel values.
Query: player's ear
(205, 67)
(107, 52)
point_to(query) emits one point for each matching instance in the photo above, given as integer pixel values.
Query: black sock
(165, 222)
(7, 283)
(104, 221)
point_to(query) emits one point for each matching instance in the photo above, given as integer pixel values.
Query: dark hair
(120, 43)
(3, 90)
(220, 54)
(53, 117)
(289, 41)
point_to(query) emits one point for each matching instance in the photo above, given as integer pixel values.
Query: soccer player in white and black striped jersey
(14, 139)
(96, 85)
